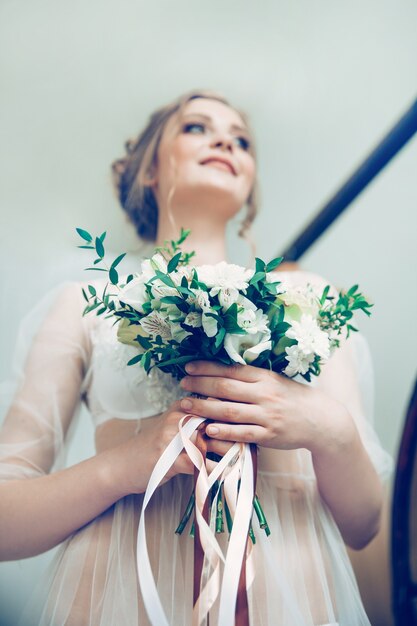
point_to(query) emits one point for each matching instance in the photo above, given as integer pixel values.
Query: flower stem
(219, 512)
(261, 515)
(187, 513)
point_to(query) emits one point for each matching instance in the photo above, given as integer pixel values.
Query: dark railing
(404, 523)
(396, 138)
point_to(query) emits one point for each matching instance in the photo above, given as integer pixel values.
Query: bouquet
(173, 312)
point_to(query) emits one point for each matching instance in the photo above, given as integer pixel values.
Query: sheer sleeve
(348, 377)
(41, 398)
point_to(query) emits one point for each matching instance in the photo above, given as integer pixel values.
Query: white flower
(200, 299)
(193, 319)
(303, 297)
(134, 294)
(252, 321)
(298, 361)
(224, 276)
(246, 348)
(160, 289)
(157, 262)
(310, 338)
(209, 324)
(156, 324)
(227, 296)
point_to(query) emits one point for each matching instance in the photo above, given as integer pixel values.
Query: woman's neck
(206, 239)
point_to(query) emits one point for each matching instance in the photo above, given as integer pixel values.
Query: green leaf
(96, 269)
(256, 277)
(145, 343)
(177, 360)
(102, 237)
(84, 234)
(167, 280)
(92, 290)
(118, 259)
(219, 337)
(172, 265)
(99, 247)
(273, 264)
(86, 298)
(86, 247)
(324, 294)
(136, 359)
(113, 275)
(259, 265)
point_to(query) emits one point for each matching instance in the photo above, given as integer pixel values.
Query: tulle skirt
(303, 575)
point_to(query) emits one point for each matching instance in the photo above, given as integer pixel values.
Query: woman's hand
(254, 405)
(141, 453)
(250, 404)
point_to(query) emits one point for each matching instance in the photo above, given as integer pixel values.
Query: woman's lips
(219, 163)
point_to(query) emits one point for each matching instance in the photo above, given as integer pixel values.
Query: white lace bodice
(114, 389)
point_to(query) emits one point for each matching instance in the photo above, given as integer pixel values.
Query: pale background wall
(322, 82)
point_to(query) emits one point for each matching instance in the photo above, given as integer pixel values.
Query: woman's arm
(273, 411)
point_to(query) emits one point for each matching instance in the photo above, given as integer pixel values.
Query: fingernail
(212, 430)
(186, 404)
(190, 367)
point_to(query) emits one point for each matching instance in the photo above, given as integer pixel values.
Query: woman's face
(206, 150)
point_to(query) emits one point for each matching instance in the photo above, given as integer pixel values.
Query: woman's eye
(194, 127)
(243, 143)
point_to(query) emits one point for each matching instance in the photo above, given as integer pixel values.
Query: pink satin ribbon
(234, 466)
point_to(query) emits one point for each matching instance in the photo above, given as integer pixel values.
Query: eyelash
(244, 143)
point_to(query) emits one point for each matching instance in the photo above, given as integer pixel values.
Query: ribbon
(235, 580)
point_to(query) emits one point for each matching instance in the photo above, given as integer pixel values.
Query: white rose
(246, 348)
(134, 294)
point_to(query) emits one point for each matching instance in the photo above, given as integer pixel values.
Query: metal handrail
(387, 148)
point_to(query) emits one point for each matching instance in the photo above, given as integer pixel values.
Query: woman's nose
(224, 142)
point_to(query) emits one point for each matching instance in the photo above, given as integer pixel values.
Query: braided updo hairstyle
(132, 173)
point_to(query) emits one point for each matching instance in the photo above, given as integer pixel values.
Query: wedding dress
(303, 574)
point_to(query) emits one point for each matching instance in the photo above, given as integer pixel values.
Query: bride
(320, 464)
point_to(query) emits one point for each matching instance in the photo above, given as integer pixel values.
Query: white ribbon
(242, 506)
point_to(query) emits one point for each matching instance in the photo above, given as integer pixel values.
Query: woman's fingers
(245, 373)
(247, 433)
(221, 410)
(220, 387)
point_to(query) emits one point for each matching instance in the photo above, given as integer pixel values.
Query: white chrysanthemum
(224, 276)
(253, 321)
(310, 338)
(156, 324)
(298, 361)
(245, 349)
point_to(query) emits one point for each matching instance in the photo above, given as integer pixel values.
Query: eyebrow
(209, 119)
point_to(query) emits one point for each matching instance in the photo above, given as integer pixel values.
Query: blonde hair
(132, 173)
